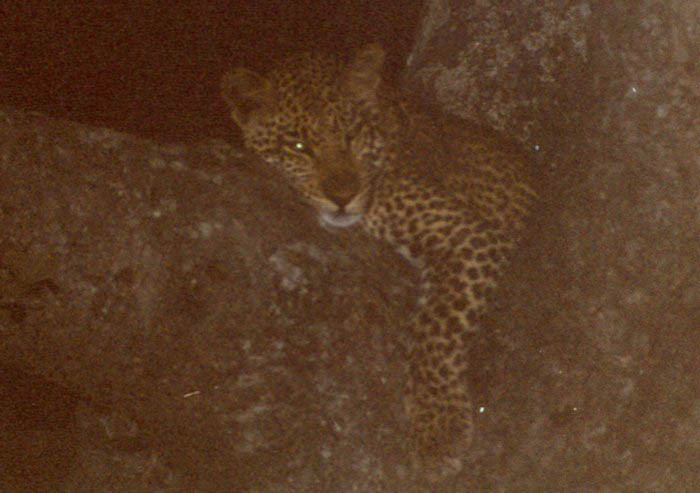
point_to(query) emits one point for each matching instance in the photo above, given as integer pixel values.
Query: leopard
(449, 196)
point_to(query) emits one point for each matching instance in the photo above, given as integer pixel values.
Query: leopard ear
(246, 91)
(365, 72)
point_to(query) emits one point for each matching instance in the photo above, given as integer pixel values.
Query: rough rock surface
(206, 332)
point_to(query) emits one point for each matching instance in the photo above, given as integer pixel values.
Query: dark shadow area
(38, 429)
(153, 68)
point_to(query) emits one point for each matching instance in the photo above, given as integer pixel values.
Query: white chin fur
(339, 221)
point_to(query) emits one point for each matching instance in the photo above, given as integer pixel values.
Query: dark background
(152, 67)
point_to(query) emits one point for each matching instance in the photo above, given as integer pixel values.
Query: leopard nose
(341, 187)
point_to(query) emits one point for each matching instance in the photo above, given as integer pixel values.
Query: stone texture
(207, 333)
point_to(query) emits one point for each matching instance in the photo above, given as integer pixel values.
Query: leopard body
(448, 197)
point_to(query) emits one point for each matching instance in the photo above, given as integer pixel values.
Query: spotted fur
(447, 197)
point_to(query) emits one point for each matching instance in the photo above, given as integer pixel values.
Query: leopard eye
(293, 143)
(300, 146)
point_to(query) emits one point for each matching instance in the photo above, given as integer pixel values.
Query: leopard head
(327, 125)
